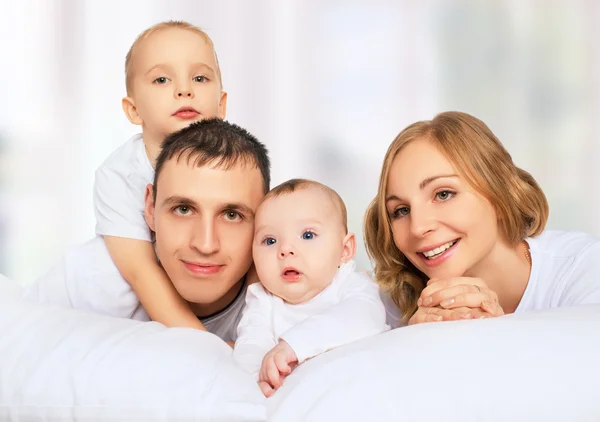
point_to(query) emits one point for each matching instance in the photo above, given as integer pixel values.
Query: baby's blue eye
(308, 235)
(269, 241)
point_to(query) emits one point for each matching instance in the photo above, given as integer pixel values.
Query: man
(209, 179)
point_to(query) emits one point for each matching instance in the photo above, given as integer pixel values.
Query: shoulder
(126, 156)
(563, 244)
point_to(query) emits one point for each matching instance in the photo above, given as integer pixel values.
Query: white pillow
(539, 366)
(63, 364)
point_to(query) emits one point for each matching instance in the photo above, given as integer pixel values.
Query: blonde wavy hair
(159, 26)
(483, 162)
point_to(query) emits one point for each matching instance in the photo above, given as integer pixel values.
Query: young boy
(173, 79)
(310, 299)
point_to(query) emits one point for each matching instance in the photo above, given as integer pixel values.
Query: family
(190, 233)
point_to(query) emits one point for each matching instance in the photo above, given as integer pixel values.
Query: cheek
(400, 235)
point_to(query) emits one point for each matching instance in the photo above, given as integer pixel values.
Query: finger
(447, 293)
(492, 307)
(266, 389)
(281, 363)
(470, 300)
(273, 374)
(426, 314)
(476, 283)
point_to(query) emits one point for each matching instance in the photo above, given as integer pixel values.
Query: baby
(172, 79)
(309, 300)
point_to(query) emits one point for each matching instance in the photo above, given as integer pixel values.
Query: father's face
(203, 218)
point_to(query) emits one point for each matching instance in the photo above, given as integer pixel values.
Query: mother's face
(438, 221)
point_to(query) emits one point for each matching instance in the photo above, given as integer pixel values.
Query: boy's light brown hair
(165, 25)
(293, 185)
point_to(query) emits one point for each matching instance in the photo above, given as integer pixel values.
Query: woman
(457, 230)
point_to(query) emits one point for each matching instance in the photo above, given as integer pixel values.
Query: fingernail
(439, 318)
(447, 302)
(427, 301)
(467, 316)
(419, 302)
(486, 304)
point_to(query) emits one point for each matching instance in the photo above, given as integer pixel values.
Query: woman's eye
(444, 195)
(269, 241)
(308, 235)
(400, 212)
(160, 80)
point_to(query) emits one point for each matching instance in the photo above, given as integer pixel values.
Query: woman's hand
(460, 292)
(436, 314)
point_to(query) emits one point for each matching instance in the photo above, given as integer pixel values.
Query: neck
(152, 142)
(506, 271)
(205, 309)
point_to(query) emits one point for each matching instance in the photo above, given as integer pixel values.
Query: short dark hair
(215, 141)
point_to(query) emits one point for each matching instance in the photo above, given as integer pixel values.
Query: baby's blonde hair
(154, 28)
(293, 185)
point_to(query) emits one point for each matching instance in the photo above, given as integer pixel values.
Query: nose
(184, 90)
(422, 222)
(286, 251)
(205, 237)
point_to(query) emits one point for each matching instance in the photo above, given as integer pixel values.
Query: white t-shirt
(347, 310)
(565, 271)
(119, 191)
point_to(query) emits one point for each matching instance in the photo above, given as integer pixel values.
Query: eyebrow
(423, 184)
(169, 67)
(306, 222)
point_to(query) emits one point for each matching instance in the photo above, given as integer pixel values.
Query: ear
(349, 248)
(131, 111)
(223, 105)
(149, 207)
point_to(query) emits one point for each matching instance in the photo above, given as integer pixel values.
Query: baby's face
(298, 243)
(175, 81)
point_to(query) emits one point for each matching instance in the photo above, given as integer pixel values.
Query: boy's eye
(160, 80)
(200, 79)
(269, 241)
(308, 235)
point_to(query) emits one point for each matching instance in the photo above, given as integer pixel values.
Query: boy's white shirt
(119, 191)
(347, 310)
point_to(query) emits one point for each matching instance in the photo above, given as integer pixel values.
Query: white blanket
(61, 364)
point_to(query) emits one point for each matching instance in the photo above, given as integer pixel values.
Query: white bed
(61, 364)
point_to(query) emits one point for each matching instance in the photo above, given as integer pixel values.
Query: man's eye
(182, 210)
(160, 80)
(269, 241)
(232, 216)
(200, 79)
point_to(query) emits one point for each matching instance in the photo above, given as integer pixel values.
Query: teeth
(434, 252)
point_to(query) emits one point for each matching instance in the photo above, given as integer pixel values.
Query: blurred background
(326, 85)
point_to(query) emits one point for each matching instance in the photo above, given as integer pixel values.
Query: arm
(255, 331)
(137, 263)
(119, 199)
(358, 314)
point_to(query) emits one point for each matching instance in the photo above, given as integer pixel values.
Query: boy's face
(299, 243)
(175, 83)
(203, 218)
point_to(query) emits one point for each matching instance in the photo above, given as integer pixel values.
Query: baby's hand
(276, 365)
